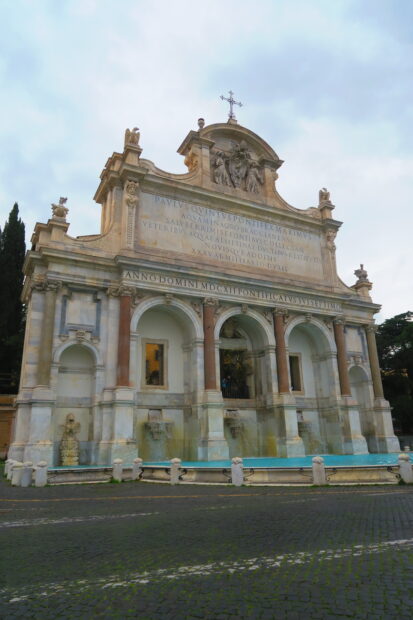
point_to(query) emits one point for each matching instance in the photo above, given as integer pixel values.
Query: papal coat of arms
(237, 169)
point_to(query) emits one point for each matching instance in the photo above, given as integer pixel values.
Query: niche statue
(69, 444)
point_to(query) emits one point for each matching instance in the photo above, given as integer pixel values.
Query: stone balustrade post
(117, 470)
(341, 356)
(281, 352)
(10, 468)
(374, 361)
(16, 474)
(210, 372)
(40, 474)
(137, 469)
(237, 471)
(319, 471)
(26, 479)
(175, 470)
(405, 468)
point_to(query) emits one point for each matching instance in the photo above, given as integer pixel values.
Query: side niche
(236, 168)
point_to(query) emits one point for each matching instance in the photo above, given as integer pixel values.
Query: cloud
(327, 84)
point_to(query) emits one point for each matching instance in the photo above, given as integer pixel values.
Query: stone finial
(59, 211)
(363, 285)
(132, 137)
(361, 274)
(201, 123)
(324, 203)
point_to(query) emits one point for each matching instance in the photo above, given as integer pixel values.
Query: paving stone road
(147, 551)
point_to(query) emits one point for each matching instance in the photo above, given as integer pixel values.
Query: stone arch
(314, 328)
(245, 365)
(181, 310)
(84, 343)
(75, 389)
(314, 382)
(250, 315)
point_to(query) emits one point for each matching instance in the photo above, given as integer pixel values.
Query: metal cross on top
(231, 102)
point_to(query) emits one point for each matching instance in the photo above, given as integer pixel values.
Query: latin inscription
(206, 233)
(208, 287)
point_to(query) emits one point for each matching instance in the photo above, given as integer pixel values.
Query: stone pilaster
(47, 331)
(341, 357)
(384, 439)
(353, 440)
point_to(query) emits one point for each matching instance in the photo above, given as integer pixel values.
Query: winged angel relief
(237, 169)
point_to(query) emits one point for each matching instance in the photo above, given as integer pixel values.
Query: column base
(16, 452)
(353, 440)
(384, 438)
(125, 450)
(213, 445)
(289, 442)
(213, 450)
(39, 451)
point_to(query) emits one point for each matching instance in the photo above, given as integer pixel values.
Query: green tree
(395, 348)
(12, 253)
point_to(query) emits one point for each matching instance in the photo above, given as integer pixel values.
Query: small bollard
(40, 474)
(26, 479)
(237, 471)
(319, 471)
(10, 468)
(117, 472)
(16, 474)
(405, 468)
(137, 469)
(175, 468)
(406, 448)
(7, 466)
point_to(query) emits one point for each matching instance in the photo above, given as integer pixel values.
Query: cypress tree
(12, 253)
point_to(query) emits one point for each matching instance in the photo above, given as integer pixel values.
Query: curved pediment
(226, 136)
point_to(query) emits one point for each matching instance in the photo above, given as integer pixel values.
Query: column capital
(210, 301)
(280, 312)
(42, 284)
(371, 328)
(120, 290)
(340, 319)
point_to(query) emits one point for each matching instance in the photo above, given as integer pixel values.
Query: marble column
(124, 339)
(212, 444)
(123, 444)
(281, 353)
(374, 361)
(210, 372)
(47, 332)
(288, 440)
(342, 357)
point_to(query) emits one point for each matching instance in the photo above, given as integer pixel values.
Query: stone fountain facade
(205, 320)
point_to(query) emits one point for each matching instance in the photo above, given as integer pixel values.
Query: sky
(327, 83)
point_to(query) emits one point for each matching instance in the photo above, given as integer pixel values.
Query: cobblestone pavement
(141, 550)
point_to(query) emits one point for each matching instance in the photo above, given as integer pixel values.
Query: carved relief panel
(235, 167)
